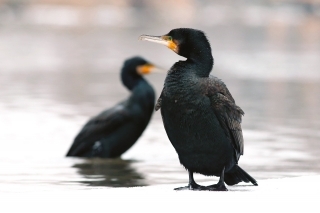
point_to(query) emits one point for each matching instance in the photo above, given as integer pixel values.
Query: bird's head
(137, 66)
(187, 42)
(133, 69)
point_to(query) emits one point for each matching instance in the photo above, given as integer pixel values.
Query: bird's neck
(131, 81)
(202, 61)
(143, 95)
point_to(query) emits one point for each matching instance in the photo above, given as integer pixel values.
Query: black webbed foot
(220, 185)
(217, 187)
(193, 186)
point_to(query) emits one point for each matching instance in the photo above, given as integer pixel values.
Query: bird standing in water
(115, 130)
(199, 114)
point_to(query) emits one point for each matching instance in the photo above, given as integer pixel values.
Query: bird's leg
(220, 185)
(192, 184)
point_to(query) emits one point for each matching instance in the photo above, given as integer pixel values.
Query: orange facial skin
(145, 69)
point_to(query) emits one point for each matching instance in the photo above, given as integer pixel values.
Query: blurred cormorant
(199, 114)
(115, 130)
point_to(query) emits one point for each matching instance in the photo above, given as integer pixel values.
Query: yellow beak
(165, 40)
(148, 68)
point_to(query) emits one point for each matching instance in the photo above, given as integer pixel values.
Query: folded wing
(227, 112)
(99, 126)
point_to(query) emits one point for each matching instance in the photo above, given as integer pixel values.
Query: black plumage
(199, 113)
(115, 130)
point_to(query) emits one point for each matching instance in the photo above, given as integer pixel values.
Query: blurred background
(60, 63)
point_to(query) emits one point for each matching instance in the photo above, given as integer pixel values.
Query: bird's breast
(183, 96)
(183, 104)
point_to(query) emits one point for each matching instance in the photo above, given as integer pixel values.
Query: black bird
(115, 130)
(199, 114)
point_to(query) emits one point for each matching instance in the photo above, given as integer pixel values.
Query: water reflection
(109, 172)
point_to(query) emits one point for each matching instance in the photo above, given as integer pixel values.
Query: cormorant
(199, 114)
(115, 130)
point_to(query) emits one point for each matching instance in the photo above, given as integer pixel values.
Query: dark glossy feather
(229, 116)
(227, 112)
(99, 127)
(215, 84)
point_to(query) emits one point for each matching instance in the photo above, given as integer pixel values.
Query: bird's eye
(166, 38)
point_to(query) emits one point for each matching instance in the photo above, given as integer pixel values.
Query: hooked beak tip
(142, 37)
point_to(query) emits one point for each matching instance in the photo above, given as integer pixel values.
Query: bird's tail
(236, 175)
